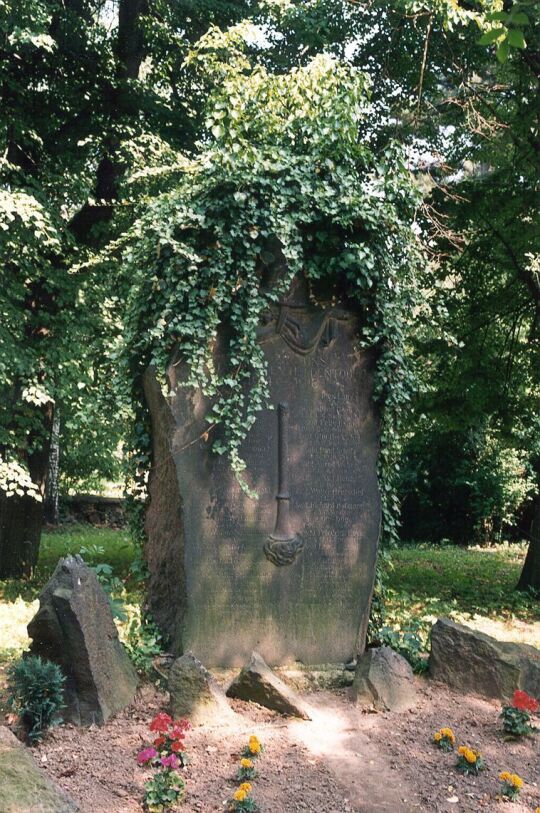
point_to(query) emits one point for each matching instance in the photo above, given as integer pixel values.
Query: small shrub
(517, 716)
(445, 739)
(512, 784)
(469, 761)
(36, 690)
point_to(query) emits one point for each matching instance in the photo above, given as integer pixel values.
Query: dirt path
(342, 761)
(335, 736)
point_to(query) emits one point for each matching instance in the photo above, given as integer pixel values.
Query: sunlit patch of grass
(475, 586)
(14, 616)
(118, 548)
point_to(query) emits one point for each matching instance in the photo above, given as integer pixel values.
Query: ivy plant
(286, 161)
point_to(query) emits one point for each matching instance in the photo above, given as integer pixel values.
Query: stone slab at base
(300, 677)
(259, 684)
(383, 681)
(195, 694)
(24, 788)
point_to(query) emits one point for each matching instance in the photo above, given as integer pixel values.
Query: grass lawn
(474, 585)
(471, 585)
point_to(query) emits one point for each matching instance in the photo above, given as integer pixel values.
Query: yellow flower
(239, 795)
(516, 780)
(246, 763)
(246, 787)
(255, 747)
(468, 753)
(447, 732)
(437, 737)
(505, 776)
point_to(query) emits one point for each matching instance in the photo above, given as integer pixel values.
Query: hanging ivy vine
(285, 159)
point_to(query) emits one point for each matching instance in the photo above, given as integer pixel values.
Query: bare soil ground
(342, 761)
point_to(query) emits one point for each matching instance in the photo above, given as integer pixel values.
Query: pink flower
(146, 755)
(170, 761)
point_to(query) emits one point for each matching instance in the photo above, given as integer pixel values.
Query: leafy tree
(458, 84)
(77, 113)
(120, 112)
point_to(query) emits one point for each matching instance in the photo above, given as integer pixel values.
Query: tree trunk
(21, 518)
(20, 533)
(51, 507)
(123, 107)
(530, 575)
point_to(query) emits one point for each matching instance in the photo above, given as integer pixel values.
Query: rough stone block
(475, 662)
(258, 683)
(384, 681)
(195, 694)
(74, 628)
(23, 786)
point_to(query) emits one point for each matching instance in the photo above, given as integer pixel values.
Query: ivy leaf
(500, 16)
(502, 52)
(491, 36)
(516, 38)
(519, 19)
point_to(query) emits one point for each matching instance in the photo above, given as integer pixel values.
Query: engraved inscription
(327, 445)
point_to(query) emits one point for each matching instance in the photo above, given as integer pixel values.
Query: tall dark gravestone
(291, 573)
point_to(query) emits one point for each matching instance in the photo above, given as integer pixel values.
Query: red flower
(177, 746)
(159, 741)
(182, 725)
(524, 701)
(161, 722)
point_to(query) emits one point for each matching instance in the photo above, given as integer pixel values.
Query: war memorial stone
(289, 574)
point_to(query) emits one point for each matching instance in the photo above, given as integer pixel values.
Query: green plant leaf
(520, 18)
(491, 36)
(516, 38)
(502, 52)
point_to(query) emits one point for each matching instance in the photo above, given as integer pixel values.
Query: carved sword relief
(283, 545)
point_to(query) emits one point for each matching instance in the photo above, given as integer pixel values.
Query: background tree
(77, 114)
(458, 84)
(101, 109)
